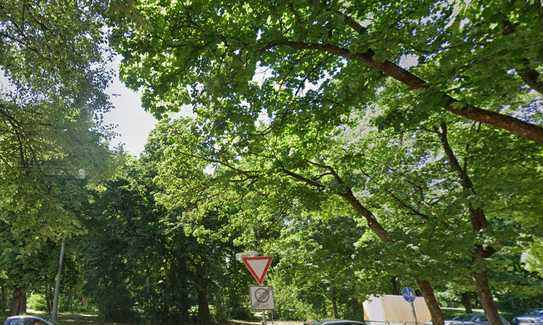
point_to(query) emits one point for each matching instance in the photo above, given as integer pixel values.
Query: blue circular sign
(408, 294)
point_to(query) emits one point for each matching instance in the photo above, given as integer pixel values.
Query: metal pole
(414, 312)
(54, 312)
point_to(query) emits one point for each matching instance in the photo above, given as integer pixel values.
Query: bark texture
(395, 284)
(204, 317)
(334, 304)
(431, 302)
(18, 302)
(486, 298)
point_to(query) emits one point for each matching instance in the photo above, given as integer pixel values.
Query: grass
(75, 319)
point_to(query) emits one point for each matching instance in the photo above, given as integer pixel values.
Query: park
(221, 161)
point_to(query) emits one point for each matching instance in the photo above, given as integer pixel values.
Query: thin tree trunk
(395, 285)
(357, 309)
(48, 298)
(334, 303)
(431, 302)
(204, 317)
(479, 223)
(2, 299)
(466, 301)
(179, 282)
(18, 303)
(56, 295)
(69, 301)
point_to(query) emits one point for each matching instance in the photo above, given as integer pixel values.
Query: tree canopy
(366, 145)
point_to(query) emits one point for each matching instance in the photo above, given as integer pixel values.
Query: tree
(53, 60)
(318, 258)
(149, 258)
(205, 213)
(315, 54)
(287, 166)
(56, 51)
(216, 53)
(405, 178)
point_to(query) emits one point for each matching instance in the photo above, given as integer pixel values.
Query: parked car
(26, 320)
(533, 317)
(472, 319)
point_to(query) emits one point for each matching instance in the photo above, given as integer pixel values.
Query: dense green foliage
(53, 59)
(365, 145)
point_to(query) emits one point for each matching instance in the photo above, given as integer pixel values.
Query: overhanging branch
(413, 82)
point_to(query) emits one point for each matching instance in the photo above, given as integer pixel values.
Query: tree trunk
(48, 299)
(466, 301)
(69, 301)
(56, 295)
(395, 285)
(334, 304)
(431, 302)
(18, 303)
(3, 299)
(485, 296)
(179, 285)
(357, 309)
(204, 317)
(479, 223)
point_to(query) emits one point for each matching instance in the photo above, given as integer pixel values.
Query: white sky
(133, 123)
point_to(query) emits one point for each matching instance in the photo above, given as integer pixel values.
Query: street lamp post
(54, 313)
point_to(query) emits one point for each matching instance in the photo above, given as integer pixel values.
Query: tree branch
(348, 195)
(407, 206)
(353, 23)
(300, 178)
(453, 161)
(478, 218)
(531, 77)
(413, 82)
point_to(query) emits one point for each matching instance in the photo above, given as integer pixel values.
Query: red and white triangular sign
(258, 266)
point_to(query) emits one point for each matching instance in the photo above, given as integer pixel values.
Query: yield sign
(258, 266)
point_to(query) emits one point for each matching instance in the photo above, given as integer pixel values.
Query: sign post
(261, 296)
(409, 296)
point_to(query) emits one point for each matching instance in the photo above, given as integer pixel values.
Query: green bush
(37, 301)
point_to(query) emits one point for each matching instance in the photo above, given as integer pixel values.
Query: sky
(133, 124)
